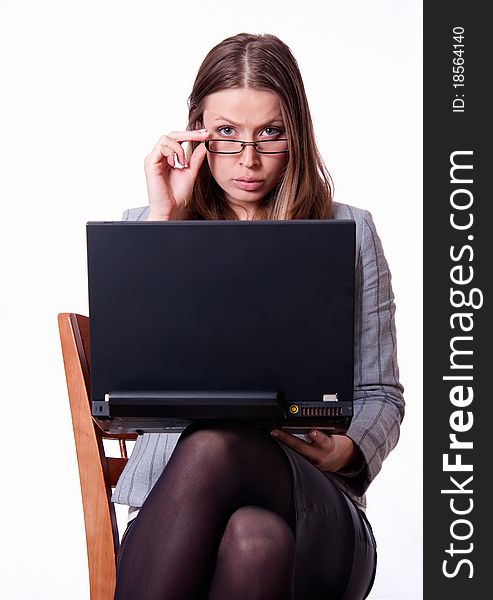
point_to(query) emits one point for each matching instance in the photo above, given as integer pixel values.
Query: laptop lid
(221, 306)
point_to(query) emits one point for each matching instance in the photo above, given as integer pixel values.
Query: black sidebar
(458, 237)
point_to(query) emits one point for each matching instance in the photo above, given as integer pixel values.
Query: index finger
(196, 135)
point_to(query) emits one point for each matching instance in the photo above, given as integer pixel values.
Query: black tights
(218, 524)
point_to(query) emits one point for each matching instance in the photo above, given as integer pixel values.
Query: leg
(255, 558)
(171, 550)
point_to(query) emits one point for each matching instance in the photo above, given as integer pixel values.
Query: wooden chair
(97, 472)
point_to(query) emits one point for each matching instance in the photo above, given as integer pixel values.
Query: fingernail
(274, 433)
(202, 130)
(313, 433)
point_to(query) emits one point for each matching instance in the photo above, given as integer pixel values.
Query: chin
(234, 196)
(246, 196)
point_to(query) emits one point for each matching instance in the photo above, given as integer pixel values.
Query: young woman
(231, 512)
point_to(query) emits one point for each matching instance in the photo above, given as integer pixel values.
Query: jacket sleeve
(135, 214)
(378, 399)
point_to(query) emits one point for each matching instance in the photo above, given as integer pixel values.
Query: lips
(248, 184)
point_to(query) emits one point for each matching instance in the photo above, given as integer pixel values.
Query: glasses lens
(225, 146)
(234, 147)
(272, 146)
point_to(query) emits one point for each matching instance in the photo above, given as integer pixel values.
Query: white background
(88, 88)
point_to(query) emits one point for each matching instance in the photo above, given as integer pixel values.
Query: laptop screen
(222, 305)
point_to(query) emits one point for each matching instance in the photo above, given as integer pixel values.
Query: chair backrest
(97, 472)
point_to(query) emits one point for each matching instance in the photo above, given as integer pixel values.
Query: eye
(273, 131)
(225, 130)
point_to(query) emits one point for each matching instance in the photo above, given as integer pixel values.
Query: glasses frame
(243, 144)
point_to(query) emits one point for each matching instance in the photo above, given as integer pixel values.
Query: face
(248, 115)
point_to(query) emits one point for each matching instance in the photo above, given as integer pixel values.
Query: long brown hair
(262, 62)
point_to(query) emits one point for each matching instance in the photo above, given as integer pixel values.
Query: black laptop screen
(222, 305)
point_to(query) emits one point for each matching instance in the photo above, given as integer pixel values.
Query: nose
(249, 157)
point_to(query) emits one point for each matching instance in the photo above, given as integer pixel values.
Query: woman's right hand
(169, 187)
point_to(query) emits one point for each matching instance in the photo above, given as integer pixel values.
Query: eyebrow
(269, 122)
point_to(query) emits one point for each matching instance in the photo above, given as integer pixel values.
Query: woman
(229, 511)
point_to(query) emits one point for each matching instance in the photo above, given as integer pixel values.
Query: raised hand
(169, 187)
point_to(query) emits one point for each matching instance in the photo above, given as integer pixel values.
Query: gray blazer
(378, 399)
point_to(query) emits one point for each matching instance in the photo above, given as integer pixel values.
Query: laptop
(241, 321)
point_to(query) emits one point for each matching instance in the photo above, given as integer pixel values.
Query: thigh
(124, 539)
(335, 548)
(249, 460)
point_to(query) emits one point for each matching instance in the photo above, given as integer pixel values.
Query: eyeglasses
(236, 146)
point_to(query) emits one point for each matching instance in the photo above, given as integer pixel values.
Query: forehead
(243, 106)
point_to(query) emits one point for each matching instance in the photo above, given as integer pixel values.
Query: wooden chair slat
(115, 467)
(97, 473)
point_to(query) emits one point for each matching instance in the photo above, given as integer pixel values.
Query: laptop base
(173, 411)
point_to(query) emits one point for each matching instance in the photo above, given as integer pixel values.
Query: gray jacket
(378, 399)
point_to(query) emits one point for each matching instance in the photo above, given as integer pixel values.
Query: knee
(215, 440)
(207, 441)
(256, 535)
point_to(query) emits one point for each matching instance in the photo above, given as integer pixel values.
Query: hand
(326, 452)
(169, 187)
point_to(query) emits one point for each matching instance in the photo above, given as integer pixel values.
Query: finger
(195, 135)
(303, 448)
(160, 151)
(318, 438)
(197, 159)
(155, 158)
(170, 147)
(175, 138)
